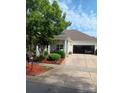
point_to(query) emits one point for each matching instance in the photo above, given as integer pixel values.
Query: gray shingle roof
(76, 35)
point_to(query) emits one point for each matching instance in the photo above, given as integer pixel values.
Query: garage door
(83, 49)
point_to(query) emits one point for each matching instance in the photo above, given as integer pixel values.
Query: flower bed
(60, 61)
(35, 69)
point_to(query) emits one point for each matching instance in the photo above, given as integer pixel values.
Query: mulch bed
(53, 62)
(35, 69)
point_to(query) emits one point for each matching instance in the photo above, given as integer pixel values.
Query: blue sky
(82, 14)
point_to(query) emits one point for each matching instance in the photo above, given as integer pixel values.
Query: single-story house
(73, 41)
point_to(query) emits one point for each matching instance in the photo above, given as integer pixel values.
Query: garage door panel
(83, 49)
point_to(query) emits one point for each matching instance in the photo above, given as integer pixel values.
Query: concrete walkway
(77, 75)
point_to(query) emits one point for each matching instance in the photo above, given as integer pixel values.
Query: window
(59, 47)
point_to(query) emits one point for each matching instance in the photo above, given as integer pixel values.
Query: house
(73, 41)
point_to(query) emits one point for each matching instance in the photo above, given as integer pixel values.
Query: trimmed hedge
(54, 57)
(62, 53)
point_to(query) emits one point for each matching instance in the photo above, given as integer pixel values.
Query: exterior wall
(70, 47)
(59, 42)
(84, 43)
(65, 46)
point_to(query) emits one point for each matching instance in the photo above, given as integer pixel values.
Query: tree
(43, 21)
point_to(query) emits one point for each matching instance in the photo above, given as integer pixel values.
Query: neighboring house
(72, 41)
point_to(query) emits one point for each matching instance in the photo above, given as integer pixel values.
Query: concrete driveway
(77, 75)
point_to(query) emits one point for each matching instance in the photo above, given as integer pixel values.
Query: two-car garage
(84, 49)
(77, 42)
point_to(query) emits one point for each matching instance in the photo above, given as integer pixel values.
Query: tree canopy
(43, 21)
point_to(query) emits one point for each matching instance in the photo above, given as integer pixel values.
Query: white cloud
(67, 1)
(80, 20)
(51, 1)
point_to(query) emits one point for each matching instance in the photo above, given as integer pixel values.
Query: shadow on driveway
(43, 87)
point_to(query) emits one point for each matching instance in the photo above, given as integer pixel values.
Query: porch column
(37, 51)
(95, 48)
(65, 46)
(48, 49)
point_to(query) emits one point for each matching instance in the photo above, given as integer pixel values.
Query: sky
(82, 14)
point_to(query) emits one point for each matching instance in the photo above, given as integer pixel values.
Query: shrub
(54, 57)
(40, 58)
(62, 53)
(45, 54)
(36, 59)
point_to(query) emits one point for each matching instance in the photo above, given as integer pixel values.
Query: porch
(59, 45)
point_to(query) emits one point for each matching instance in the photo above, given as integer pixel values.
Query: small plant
(62, 53)
(45, 54)
(38, 59)
(54, 57)
(41, 57)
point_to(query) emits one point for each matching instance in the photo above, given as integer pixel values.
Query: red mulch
(34, 69)
(53, 62)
